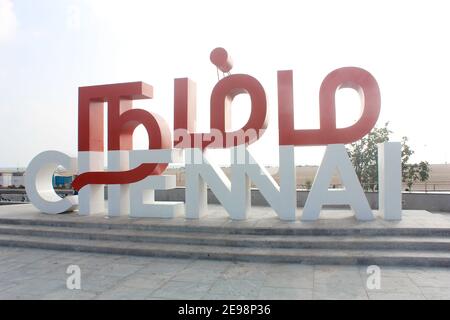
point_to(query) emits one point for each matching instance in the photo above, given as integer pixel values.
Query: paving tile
(197, 275)
(214, 296)
(18, 296)
(397, 285)
(164, 267)
(290, 280)
(73, 258)
(290, 276)
(99, 283)
(140, 261)
(269, 293)
(433, 293)
(6, 284)
(29, 256)
(335, 270)
(66, 294)
(119, 269)
(10, 266)
(16, 276)
(52, 263)
(29, 272)
(96, 262)
(182, 290)
(35, 287)
(395, 296)
(247, 271)
(431, 279)
(210, 265)
(338, 275)
(5, 254)
(247, 288)
(143, 282)
(432, 270)
(61, 255)
(339, 292)
(292, 268)
(125, 293)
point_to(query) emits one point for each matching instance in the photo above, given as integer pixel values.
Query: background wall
(435, 202)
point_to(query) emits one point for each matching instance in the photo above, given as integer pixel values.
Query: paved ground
(40, 274)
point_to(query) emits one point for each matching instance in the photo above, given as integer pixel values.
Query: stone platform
(420, 239)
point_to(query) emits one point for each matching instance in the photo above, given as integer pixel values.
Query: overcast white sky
(48, 48)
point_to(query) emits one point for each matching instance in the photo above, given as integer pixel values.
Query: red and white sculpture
(133, 176)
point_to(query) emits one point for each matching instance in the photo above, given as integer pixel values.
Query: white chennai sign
(132, 176)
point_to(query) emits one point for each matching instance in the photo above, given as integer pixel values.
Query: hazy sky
(48, 48)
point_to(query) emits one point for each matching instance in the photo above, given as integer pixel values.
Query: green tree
(308, 185)
(364, 156)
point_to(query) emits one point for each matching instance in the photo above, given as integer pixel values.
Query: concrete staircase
(345, 245)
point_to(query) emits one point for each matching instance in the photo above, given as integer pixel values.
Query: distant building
(18, 179)
(60, 181)
(15, 178)
(5, 179)
(12, 178)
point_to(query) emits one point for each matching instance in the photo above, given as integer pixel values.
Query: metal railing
(10, 195)
(416, 187)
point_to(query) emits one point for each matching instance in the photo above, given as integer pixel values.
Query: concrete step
(233, 240)
(187, 226)
(307, 256)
